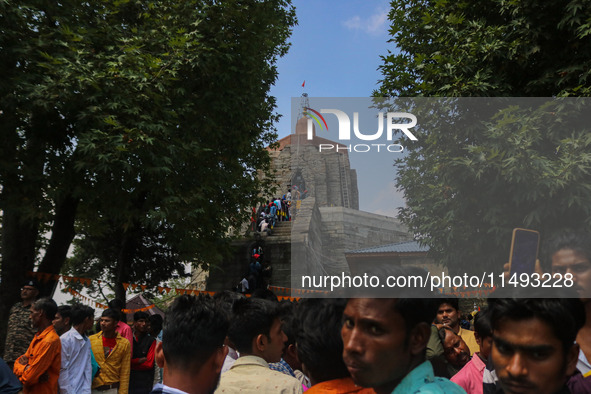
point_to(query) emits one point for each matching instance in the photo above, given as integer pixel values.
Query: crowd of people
(49, 349)
(231, 343)
(266, 216)
(258, 273)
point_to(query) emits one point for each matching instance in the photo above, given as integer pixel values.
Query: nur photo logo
(395, 122)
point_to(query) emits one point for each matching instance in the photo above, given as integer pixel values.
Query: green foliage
(154, 115)
(468, 183)
(488, 48)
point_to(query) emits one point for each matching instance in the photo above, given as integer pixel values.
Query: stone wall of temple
(327, 222)
(345, 229)
(326, 175)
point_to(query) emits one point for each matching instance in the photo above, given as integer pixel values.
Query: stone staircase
(282, 229)
(277, 248)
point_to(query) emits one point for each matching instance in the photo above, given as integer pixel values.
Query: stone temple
(326, 224)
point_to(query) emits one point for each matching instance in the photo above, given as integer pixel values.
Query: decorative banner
(44, 277)
(76, 294)
(287, 290)
(286, 298)
(460, 294)
(138, 310)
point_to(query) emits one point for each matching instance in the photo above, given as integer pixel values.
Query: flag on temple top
(304, 84)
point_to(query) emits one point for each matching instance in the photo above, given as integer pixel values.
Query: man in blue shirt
(273, 214)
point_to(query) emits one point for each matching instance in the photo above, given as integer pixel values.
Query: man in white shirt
(76, 370)
(244, 285)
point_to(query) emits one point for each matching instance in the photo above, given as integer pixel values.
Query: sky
(336, 49)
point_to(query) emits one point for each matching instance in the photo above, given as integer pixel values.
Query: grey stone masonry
(326, 175)
(326, 221)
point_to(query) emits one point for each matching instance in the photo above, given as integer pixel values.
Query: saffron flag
(304, 84)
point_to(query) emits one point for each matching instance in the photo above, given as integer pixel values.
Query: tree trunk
(62, 234)
(124, 261)
(22, 194)
(19, 237)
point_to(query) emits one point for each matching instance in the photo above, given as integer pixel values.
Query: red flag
(304, 84)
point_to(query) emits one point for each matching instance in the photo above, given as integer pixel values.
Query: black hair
(79, 313)
(319, 342)
(287, 313)
(442, 333)
(193, 329)
(483, 324)
(289, 321)
(47, 305)
(111, 313)
(579, 242)
(251, 317)
(117, 304)
(565, 316)
(453, 302)
(155, 323)
(265, 294)
(225, 299)
(65, 311)
(415, 311)
(141, 315)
